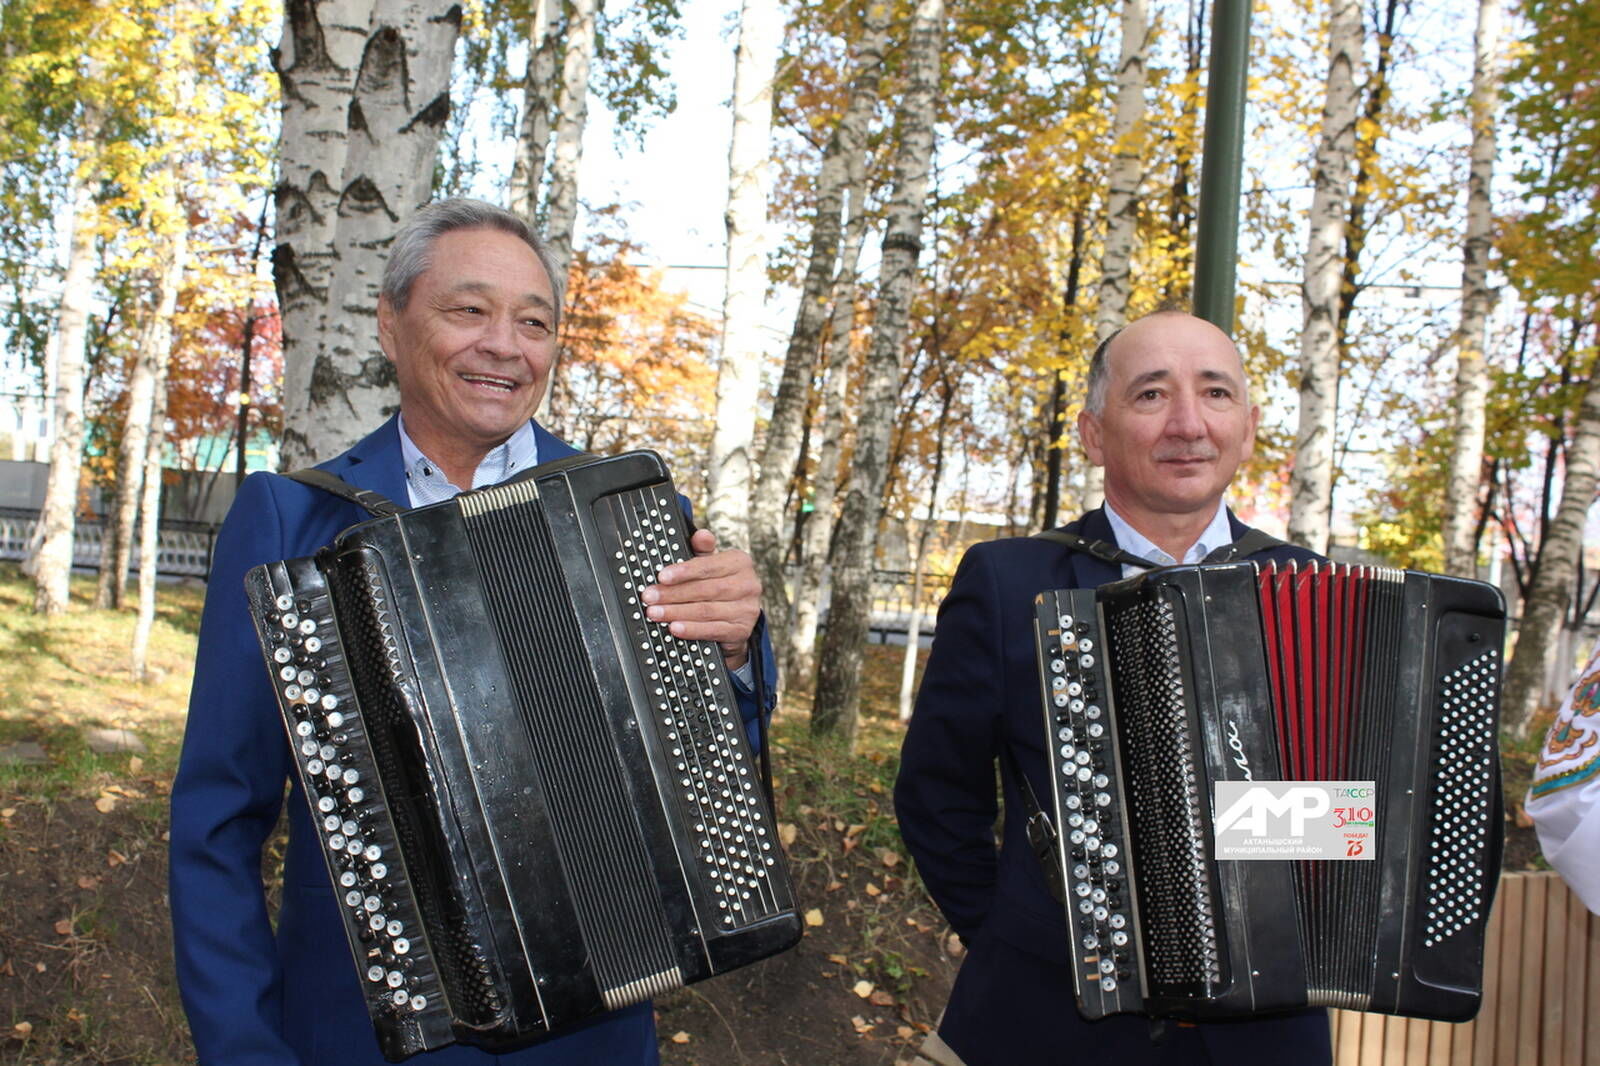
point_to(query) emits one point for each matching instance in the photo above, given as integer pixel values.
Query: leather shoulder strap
(373, 502)
(1109, 553)
(1253, 541)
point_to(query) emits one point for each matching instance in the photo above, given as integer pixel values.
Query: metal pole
(1216, 254)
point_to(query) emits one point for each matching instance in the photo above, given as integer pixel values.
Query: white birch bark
(150, 487)
(51, 560)
(745, 279)
(1311, 484)
(843, 174)
(155, 348)
(1472, 373)
(818, 534)
(919, 560)
(393, 87)
(838, 693)
(1122, 198)
(1541, 623)
(533, 136)
(571, 117)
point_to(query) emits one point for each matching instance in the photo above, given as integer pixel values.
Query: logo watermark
(1295, 819)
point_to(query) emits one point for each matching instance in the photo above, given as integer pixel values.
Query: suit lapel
(1088, 571)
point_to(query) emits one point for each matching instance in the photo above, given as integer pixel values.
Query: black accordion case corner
(1157, 688)
(537, 805)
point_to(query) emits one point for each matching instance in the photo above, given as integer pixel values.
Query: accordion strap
(1254, 540)
(1041, 833)
(375, 503)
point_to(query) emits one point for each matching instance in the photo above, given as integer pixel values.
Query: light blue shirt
(426, 483)
(1130, 540)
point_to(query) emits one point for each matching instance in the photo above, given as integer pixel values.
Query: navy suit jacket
(255, 997)
(979, 699)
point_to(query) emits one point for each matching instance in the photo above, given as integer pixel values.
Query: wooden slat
(1572, 988)
(1441, 1042)
(1417, 1033)
(1531, 972)
(1591, 992)
(1372, 1027)
(1487, 1037)
(1346, 1038)
(1394, 1039)
(1552, 1004)
(1506, 1002)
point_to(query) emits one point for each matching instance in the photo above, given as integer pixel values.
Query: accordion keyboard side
(337, 769)
(1088, 805)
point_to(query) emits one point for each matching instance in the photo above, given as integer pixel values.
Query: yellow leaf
(680, 1037)
(8, 812)
(873, 890)
(861, 1025)
(863, 989)
(786, 833)
(22, 1029)
(905, 1032)
(105, 804)
(890, 857)
(814, 916)
(64, 927)
(840, 959)
(135, 765)
(115, 858)
(88, 884)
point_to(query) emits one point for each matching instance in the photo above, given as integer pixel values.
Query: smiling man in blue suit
(468, 315)
(1168, 415)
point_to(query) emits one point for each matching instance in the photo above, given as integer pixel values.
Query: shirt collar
(1215, 535)
(426, 483)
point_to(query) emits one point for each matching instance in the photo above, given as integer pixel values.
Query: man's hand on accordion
(714, 596)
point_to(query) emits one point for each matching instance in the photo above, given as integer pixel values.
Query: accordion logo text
(1275, 788)
(536, 804)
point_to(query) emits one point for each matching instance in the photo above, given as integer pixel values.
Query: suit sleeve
(225, 801)
(945, 795)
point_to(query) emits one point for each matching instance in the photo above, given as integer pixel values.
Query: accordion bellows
(1157, 688)
(537, 805)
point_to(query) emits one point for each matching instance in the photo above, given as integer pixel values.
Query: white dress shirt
(1130, 540)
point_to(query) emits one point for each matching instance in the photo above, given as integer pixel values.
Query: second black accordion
(536, 804)
(1167, 692)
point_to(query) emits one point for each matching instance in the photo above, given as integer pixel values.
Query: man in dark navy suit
(468, 315)
(1169, 417)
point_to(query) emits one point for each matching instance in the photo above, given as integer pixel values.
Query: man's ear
(386, 314)
(1250, 438)
(1089, 435)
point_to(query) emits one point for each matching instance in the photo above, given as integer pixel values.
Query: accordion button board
(536, 804)
(1091, 825)
(1277, 686)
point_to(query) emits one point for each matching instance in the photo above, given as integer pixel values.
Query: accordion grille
(544, 652)
(1174, 883)
(1459, 823)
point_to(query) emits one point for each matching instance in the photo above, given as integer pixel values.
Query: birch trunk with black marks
(818, 535)
(838, 692)
(1311, 484)
(842, 176)
(572, 114)
(366, 94)
(533, 135)
(1465, 472)
(745, 279)
(50, 562)
(1539, 630)
(150, 496)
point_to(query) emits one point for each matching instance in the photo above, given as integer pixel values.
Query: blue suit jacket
(980, 698)
(254, 997)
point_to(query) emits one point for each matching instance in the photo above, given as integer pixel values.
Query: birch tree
(533, 135)
(1127, 170)
(51, 561)
(745, 279)
(818, 534)
(842, 177)
(150, 501)
(1472, 375)
(572, 115)
(1311, 484)
(366, 94)
(1540, 626)
(838, 692)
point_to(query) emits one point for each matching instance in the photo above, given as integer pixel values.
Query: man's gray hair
(1100, 374)
(412, 249)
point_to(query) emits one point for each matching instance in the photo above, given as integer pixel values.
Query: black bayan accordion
(536, 804)
(1275, 787)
